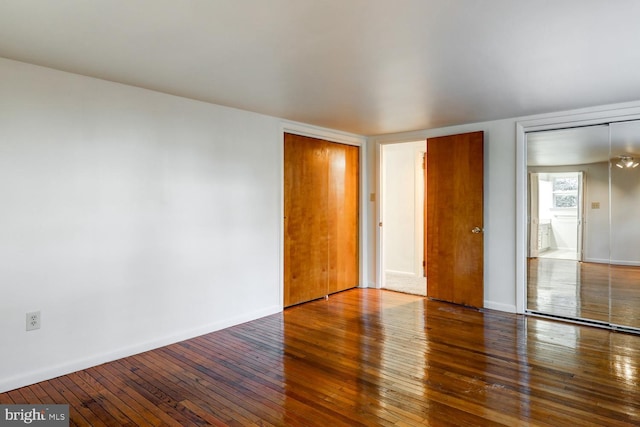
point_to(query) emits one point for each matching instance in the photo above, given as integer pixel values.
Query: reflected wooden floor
(366, 357)
(581, 290)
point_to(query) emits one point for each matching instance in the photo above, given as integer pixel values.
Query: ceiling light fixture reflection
(626, 162)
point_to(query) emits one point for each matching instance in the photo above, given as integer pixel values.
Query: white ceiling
(363, 66)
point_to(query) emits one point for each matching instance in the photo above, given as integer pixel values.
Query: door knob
(476, 230)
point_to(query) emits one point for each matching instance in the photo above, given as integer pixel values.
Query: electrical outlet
(33, 320)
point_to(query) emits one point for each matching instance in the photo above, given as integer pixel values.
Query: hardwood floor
(602, 292)
(366, 357)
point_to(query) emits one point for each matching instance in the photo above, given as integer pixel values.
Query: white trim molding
(322, 133)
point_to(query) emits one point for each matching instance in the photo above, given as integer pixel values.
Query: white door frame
(581, 208)
(533, 221)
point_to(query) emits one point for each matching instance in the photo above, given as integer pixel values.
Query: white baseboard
(624, 262)
(21, 380)
(613, 261)
(492, 305)
(596, 260)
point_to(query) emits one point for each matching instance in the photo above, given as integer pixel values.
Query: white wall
(499, 207)
(132, 219)
(504, 208)
(403, 223)
(625, 214)
(129, 218)
(504, 172)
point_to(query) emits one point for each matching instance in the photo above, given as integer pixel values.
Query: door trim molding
(340, 137)
(322, 133)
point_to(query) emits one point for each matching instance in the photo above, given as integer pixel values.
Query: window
(565, 192)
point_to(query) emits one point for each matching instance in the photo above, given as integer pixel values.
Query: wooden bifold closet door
(321, 218)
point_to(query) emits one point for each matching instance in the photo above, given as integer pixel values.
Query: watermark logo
(35, 415)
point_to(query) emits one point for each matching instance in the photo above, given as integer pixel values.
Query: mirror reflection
(625, 224)
(584, 223)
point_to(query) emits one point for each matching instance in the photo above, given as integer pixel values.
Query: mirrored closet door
(583, 260)
(624, 192)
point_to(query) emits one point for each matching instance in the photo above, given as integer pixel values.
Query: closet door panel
(624, 198)
(306, 237)
(343, 213)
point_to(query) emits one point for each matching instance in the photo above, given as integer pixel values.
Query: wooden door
(343, 216)
(306, 241)
(455, 249)
(321, 218)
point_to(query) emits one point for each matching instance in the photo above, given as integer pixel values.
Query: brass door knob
(476, 230)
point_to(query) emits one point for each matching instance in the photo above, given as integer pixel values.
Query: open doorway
(556, 215)
(402, 206)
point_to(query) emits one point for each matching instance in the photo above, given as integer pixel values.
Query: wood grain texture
(607, 293)
(366, 357)
(343, 214)
(306, 238)
(321, 203)
(625, 295)
(454, 207)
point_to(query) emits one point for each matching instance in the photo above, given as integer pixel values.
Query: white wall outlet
(33, 320)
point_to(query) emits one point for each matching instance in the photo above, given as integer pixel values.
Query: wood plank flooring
(366, 357)
(603, 292)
